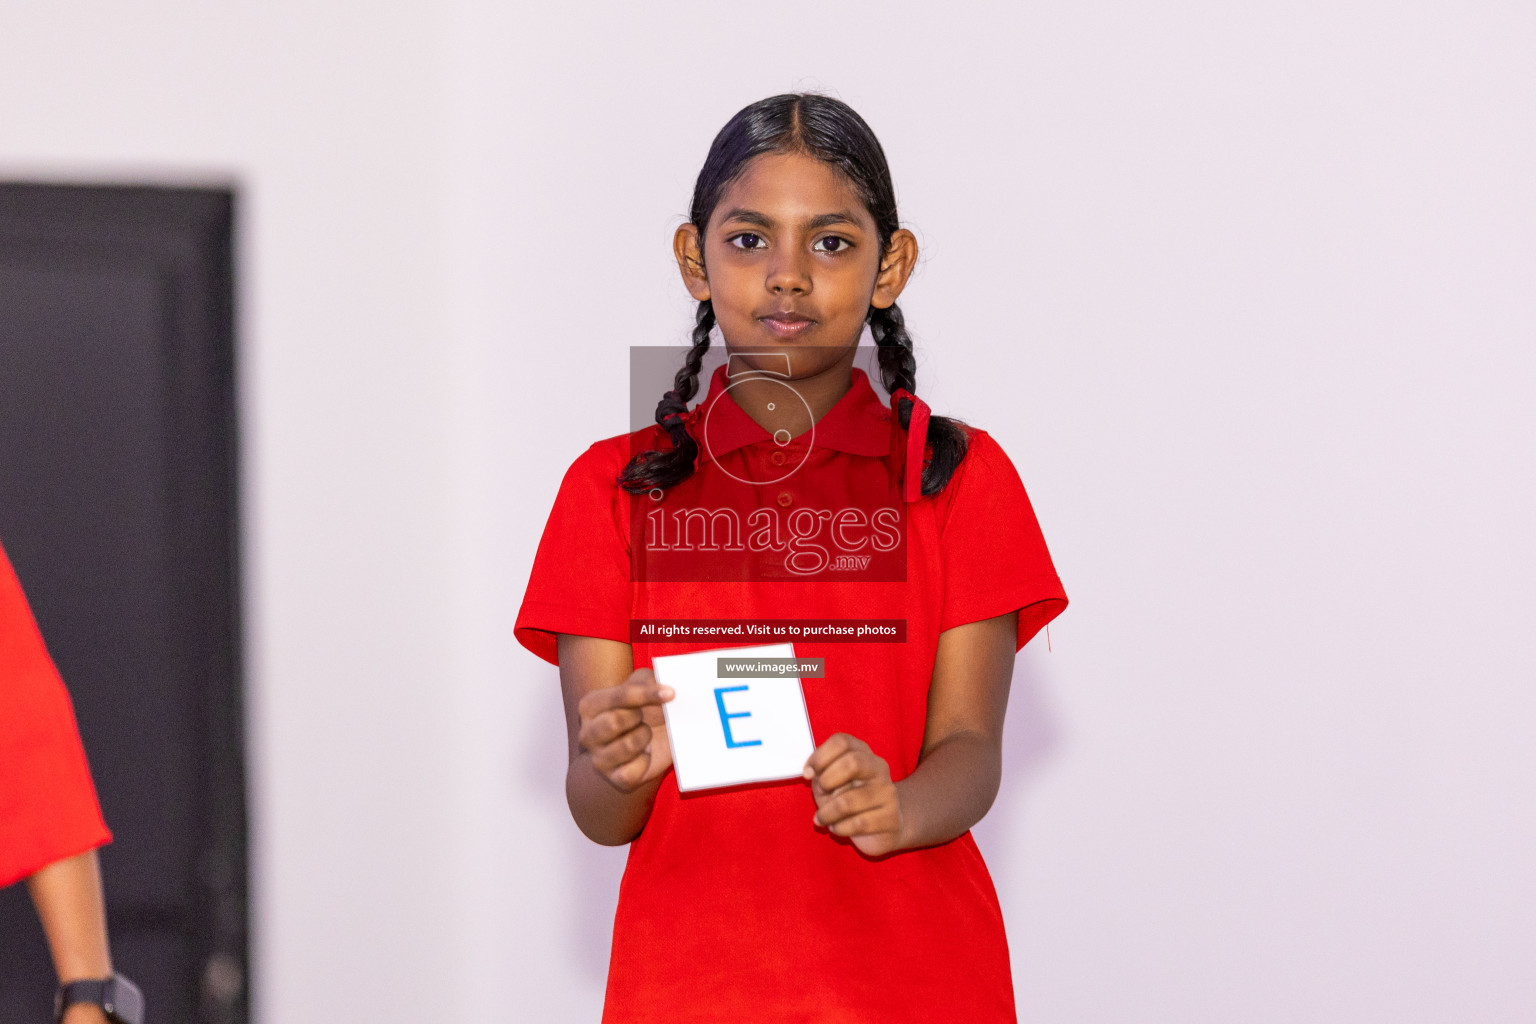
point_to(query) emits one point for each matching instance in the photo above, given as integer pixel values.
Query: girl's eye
(833, 244)
(747, 241)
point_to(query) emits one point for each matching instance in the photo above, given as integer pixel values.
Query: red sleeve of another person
(48, 807)
(995, 558)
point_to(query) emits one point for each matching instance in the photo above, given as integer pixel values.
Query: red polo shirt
(733, 906)
(48, 807)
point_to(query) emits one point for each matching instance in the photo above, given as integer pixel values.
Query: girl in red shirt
(858, 893)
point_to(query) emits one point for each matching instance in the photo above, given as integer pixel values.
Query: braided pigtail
(898, 369)
(664, 467)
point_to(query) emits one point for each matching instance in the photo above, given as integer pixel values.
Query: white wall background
(1245, 291)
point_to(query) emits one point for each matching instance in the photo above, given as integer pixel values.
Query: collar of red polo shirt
(858, 424)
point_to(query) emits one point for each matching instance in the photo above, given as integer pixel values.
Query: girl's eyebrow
(821, 220)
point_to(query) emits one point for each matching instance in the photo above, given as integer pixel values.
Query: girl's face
(791, 263)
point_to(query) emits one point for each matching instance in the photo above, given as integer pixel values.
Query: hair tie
(917, 440)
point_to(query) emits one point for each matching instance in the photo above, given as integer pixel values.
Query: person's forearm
(603, 813)
(67, 894)
(951, 789)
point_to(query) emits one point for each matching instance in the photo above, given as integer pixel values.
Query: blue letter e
(726, 716)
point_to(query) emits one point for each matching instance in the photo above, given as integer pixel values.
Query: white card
(736, 729)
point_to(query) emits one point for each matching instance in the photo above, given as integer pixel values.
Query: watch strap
(118, 997)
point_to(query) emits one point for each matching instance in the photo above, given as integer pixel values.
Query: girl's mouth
(787, 325)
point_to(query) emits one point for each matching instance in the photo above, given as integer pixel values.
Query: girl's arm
(618, 737)
(67, 894)
(957, 776)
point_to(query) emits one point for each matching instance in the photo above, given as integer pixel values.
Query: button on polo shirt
(767, 917)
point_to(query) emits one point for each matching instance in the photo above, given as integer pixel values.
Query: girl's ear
(687, 247)
(895, 267)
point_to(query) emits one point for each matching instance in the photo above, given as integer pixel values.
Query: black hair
(831, 131)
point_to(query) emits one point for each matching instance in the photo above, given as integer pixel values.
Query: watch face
(123, 1001)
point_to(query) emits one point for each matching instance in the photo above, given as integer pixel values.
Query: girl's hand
(623, 729)
(855, 796)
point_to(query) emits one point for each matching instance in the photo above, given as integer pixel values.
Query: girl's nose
(789, 274)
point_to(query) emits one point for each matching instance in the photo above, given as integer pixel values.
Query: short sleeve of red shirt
(995, 558)
(580, 578)
(48, 807)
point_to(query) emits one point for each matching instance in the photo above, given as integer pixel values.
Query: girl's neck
(770, 400)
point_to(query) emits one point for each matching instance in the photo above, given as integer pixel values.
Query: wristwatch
(118, 997)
